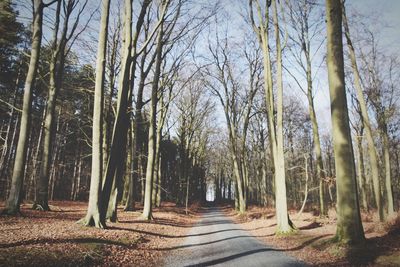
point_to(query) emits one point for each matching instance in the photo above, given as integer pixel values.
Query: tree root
(92, 221)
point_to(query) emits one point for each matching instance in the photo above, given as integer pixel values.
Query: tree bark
(147, 208)
(349, 226)
(361, 171)
(93, 216)
(14, 198)
(388, 167)
(283, 223)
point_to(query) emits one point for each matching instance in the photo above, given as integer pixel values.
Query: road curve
(217, 241)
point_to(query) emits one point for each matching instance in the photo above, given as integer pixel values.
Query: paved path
(217, 241)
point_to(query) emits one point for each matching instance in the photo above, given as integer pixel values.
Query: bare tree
(14, 198)
(59, 51)
(365, 118)
(93, 216)
(261, 29)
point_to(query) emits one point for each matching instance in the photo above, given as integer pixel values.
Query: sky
(384, 12)
(389, 11)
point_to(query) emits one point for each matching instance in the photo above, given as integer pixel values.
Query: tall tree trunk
(316, 140)
(367, 124)
(121, 124)
(14, 198)
(361, 170)
(130, 177)
(147, 208)
(93, 217)
(349, 226)
(283, 223)
(159, 181)
(41, 199)
(388, 167)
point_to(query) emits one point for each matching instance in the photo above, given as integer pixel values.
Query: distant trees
(236, 100)
(373, 74)
(306, 23)
(11, 32)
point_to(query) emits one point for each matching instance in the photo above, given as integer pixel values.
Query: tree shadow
(177, 236)
(83, 240)
(173, 223)
(310, 226)
(369, 251)
(209, 243)
(224, 260)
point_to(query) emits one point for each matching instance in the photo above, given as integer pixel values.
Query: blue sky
(385, 12)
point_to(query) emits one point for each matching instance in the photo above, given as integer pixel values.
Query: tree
(236, 100)
(14, 198)
(349, 226)
(284, 224)
(93, 216)
(59, 50)
(301, 13)
(10, 37)
(151, 157)
(374, 162)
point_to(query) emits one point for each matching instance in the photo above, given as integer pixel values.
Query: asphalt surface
(217, 241)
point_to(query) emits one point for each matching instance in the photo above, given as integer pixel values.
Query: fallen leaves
(40, 238)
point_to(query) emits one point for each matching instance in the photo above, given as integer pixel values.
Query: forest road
(217, 241)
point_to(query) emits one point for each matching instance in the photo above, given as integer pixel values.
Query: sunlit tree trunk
(93, 217)
(349, 226)
(283, 222)
(113, 173)
(130, 178)
(14, 198)
(151, 157)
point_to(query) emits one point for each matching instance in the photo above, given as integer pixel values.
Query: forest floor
(53, 238)
(313, 242)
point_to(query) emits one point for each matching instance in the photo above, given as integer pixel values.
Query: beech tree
(60, 50)
(14, 198)
(275, 128)
(93, 216)
(349, 226)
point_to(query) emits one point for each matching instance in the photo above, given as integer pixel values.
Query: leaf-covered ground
(53, 238)
(38, 238)
(313, 242)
